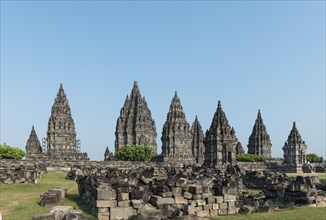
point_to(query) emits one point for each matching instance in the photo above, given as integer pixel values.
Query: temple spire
(176, 136)
(197, 143)
(220, 140)
(135, 125)
(294, 148)
(259, 141)
(33, 146)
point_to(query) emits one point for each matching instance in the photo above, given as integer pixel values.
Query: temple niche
(135, 125)
(259, 141)
(33, 146)
(61, 134)
(220, 141)
(197, 141)
(176, 136)
(294, 148)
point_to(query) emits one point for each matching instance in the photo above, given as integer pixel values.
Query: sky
(267, 55)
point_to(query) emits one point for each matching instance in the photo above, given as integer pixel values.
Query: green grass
(296, 213)
(20, 201)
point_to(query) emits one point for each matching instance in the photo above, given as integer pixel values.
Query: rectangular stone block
(222, 212)
(214, 212)
(103, 216)
(219, 199)
(231, 204)
(321, 204)
(196, 196)
(106, 194)
(198, 208)
(229, 198)
(123, 196)
(176, 191)
(180, 200)
(119, 213)
(106, 203)
(223, 205)
(200, 202)
(231, 210)
(203, 214)
(166, 194)
(137, 204)
(196, 189)
(187, 195)
(125, 203)
(208, 207)
(210, 200)
(215, 206)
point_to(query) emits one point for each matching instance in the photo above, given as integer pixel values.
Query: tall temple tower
(259, 140)
(197, 141)
(220, 140)
(33, 146)
(61, 134)
(294, 148)
(135, 125)
(176, 136)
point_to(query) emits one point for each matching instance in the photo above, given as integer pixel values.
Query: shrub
(250, 158)
(134, 153)
(7, 152)
(313, 158)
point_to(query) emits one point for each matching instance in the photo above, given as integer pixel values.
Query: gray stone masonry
(61, 134)
(294, 149)
(135, 125)
(33, 146)
(259, 140)
(220, 141)
(197, 141)
(176, 136)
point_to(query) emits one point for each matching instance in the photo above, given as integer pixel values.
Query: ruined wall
(162, 192)
(17, 171)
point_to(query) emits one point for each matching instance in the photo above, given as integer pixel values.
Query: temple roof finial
(219, 104)
(175, 93)
(135, 83)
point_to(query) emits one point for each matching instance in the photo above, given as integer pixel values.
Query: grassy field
(19, 201)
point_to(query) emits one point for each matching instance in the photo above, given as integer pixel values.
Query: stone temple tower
(294, 148)
(259, 140)
(176, 136)
(135, 125)
(220, 141)
(33, 146)
(197, 141)
(61, 134)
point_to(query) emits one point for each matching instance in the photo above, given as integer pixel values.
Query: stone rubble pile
(160, 192)
(20, 172)
(287, 191)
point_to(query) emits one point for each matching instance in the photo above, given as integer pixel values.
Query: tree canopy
(313, 158)
(134, 153)
(7, 152)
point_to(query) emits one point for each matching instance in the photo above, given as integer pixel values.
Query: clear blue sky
(250, 55)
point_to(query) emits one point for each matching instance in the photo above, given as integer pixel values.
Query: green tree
(134, 153)
(7, 152)
(313, 158)
(250, 158)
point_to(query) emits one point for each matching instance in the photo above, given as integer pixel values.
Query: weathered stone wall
(161, 192)
(17, 171)
(158, 192)
(287, 191)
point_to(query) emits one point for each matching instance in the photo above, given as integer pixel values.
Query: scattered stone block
(106, 203)
(119, 213)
